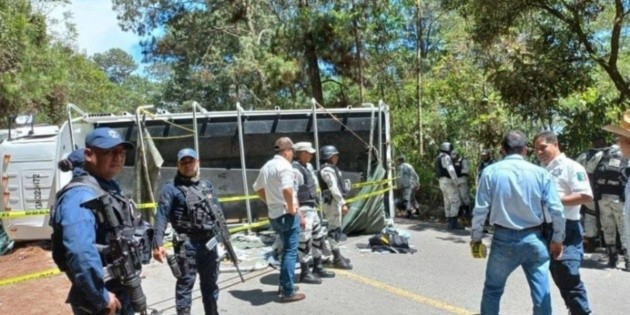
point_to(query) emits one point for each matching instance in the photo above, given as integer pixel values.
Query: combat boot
(183, 311)
(306, 276)
(340, 262)
(318, 269)
(612, 257)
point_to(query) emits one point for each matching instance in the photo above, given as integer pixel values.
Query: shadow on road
(256, 297)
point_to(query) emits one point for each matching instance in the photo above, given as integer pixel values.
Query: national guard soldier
(461, 169)
(408, 182)
(590, 159)
(486, 160)
(449, 185)
(181, 204)
(622, 130)
(86, 245)
(313, 236)
(610, 181)
(334, 191)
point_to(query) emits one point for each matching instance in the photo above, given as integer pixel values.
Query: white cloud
(98, 29)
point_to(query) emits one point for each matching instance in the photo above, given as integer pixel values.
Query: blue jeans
(566, 271)
(205, 262)
(511, 249)
(288, 227)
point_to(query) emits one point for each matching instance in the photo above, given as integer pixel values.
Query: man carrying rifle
(93, 231)
(187, 203)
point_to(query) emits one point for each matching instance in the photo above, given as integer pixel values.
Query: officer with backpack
(180, 204)
(334, 190)
(610, 180)
(79, 235)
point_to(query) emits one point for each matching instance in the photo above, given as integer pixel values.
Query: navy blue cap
(77, 157)
(105, 138)
(187, 152)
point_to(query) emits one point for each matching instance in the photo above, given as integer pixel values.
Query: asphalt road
(441, 278)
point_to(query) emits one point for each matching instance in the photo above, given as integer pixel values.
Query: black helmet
(327, 152)
(446, 147)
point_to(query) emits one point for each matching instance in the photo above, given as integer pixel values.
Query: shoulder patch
(581, 176)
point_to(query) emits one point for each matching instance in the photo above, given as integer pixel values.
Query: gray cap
(304, 146)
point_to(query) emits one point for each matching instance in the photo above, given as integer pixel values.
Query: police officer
(610, 181)
(312, 237)
(574, 190)
(73, 162)
(590, 159)
(486, 160)
(449, 185)
(180, 205)
(334, 191)
(408, 182)
(622, 130)
(461, 169)
(77, 234)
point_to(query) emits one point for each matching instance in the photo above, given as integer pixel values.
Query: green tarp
(367, 215)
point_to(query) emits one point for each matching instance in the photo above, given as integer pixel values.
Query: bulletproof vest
(440, 171)
(610, 174)
(123, 209)
(307, 192)
(458, 167)
(324, 186)
(195, 217)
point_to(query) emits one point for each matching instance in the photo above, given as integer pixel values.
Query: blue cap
(77, 157)
(105, 138)
(188, 152)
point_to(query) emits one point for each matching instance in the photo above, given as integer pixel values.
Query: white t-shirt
(570, 177)
(276, 175)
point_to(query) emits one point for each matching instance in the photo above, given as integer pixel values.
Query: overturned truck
(232, 146)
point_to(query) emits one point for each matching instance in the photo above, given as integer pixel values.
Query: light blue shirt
(515, 191)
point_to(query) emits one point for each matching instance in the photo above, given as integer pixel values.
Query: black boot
(318, 269)
(612, 256)
(183, 311)
(306, 276)
(339, 261)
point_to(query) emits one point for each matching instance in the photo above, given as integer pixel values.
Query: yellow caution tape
(365, 196)
(36, 275)
(153, 205)
(19, 214)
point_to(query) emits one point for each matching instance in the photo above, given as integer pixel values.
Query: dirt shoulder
(44, 295)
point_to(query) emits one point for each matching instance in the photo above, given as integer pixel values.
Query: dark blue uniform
(89, 292)
(173, 208)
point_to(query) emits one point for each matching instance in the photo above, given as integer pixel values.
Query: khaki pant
(450, 194)
(611, 215)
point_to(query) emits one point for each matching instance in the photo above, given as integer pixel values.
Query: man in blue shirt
(77, 232)
(514, 192)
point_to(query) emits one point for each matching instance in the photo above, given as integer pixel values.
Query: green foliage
(116, 63)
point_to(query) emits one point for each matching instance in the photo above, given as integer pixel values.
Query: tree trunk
(312, 66)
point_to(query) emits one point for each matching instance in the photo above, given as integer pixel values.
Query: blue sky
(98, 28)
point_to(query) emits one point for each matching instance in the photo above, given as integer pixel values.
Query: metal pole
(143, 151)
(315, 132)
(381, 106)
(69, 109)
(241, 144)
(371, 141)
(388, 159)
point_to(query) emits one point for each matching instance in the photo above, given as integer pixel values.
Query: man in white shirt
(276, 186)
(574, 189)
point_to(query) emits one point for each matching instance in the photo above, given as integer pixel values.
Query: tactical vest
(458, 167)
(441, 171)
(324, 185)
(307, 192)
(194, 218)
(610, 174)
(124, 211)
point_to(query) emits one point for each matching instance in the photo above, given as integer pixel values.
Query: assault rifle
(219, 230)
(122, 253)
